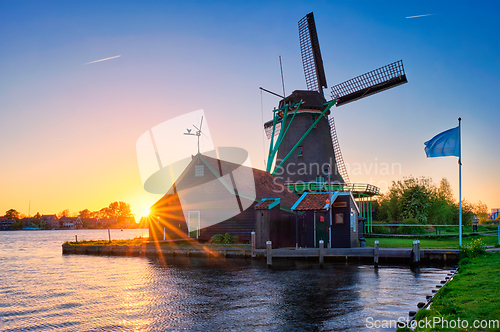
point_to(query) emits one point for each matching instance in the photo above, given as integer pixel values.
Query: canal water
(43, 290)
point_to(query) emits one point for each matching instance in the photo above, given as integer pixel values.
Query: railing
(363, 188)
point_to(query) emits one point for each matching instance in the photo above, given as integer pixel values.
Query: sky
(69, 123)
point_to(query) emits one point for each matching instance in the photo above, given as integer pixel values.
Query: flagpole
(459, 183)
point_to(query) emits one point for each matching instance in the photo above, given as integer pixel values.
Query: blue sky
(72, 128)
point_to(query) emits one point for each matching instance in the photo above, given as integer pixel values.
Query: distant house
(6, 223)
(90, 222)
(71, 223)
(106, 223)
(25, 222)
(51, 221)
(494, 214)
(126, 222)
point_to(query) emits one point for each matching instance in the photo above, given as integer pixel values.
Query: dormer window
(199, 170)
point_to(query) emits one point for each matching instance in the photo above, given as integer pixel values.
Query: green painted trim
(330, 104)
(273, 148)
(275, 203)
(271, 145)
(298, 201)
(371, 216)
(285, 116)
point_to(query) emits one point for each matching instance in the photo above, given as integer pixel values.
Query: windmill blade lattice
(268, 127)
(370, 83)
(338, 154)
(311, 54)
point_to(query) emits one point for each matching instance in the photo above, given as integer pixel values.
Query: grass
(471, 295)
(138, 241)
(131, 242)
(446, 229)
(443, 242)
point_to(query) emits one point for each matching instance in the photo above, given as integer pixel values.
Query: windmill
(303, 139)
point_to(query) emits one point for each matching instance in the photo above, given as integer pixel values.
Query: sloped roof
(69, 218)
(310, 201)
(267, 203)
(263, 184)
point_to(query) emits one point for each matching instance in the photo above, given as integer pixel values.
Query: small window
(313, 118)
(339, 218)
(199, 170)
(353, 220)
(300, 151)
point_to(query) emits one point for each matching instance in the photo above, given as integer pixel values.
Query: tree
(63, 213)
(444, 191)
(113, 210)
(85, 214)
(442, 209)
(17, 225)
(481, 211)
(407, 198)
(467, 212)
(415, 200)
(421, 199)
(124, 210)
(119, 210)
(12, 214)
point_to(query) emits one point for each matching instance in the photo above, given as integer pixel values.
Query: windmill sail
(370, 83)
(338, 154)
(311, 54)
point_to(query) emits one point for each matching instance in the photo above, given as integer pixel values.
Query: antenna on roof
(197, 133)
(282, 79)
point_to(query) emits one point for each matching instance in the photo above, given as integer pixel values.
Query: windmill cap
(312, 99)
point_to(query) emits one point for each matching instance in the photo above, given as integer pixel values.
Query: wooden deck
(386, 255)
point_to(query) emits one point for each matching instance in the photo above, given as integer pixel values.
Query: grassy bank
(386, 228)
(131, 242)
(472, 296)
(443, 242)
(139, 241)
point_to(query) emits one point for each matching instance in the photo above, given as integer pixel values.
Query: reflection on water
(41, 290)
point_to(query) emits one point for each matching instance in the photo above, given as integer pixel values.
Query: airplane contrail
(113, 57)
(419, 15)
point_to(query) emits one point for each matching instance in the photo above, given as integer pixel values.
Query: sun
(146, 211)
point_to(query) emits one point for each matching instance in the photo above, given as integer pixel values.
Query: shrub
(224, 239)
(381, 230)
(228, 239)
(474, 249)
(410, 229)
(217, 238)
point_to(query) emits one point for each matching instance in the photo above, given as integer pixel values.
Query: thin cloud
(113, 57)
(419, 16)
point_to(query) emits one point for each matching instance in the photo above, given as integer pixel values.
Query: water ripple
(42, 290)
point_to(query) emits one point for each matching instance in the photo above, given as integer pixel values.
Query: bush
(217, 238)
(224, 239)
(381, 230)
(474, 249)
(410, 229)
